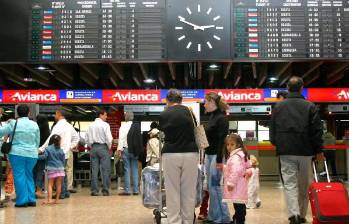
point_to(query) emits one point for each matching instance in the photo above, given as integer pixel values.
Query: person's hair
(44, 127)
(254, 161)
(23, 110)
(219, 101)
(62, 112)
(239, 144)
(129, 116)
(101, 112)
(174, 96)
(281, 94)
(56, 141)
(295, 84)
(154, 124)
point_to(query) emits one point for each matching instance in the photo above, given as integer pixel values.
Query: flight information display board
(97, 29)
(287, 29)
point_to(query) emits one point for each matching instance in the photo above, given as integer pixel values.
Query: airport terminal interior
(81, 56)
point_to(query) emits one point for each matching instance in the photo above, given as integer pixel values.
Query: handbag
(6, 146)
(119, 168)
(199, 133)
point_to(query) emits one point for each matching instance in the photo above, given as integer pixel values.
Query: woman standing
(180, 159)
(23, 155)
(39, 168)
(216, 132)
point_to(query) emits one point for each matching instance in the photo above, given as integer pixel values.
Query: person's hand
(320, 156)
(230, 188)
(220, 166)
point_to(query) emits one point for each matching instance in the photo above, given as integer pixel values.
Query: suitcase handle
(315, 173)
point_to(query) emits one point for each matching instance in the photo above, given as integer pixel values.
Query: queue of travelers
(295, 130)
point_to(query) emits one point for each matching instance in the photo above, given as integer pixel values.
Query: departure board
(97, 29)
(287, 29)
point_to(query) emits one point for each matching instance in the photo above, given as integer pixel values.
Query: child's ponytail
(56, 141)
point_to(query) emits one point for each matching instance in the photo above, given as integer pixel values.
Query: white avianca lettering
(135, 97)
(343, 95)
(232, 96)
(32, 97)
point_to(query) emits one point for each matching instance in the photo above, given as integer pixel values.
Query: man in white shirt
(99, 137)
(69, 140)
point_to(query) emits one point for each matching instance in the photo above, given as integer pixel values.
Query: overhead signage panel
(189, 95)
(81, 96)
(30, 96)
(240, 95)
(131, 96)
(329, 95)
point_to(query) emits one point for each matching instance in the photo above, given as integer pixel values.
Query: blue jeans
(131, 168)
(100, 160)
(39, 174)
(65, 193)
(218, 211)
(22, 168)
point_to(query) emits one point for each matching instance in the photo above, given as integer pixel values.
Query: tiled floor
(84, 209)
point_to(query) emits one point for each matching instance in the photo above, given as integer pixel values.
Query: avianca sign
(328, 94)
(131, 96)
(31, 96)
(240, 95)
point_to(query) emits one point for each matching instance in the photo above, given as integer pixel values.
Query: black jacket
(134, 139)
(178, 126)
(295, 127)
(216, 132)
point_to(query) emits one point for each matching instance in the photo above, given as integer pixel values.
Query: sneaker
(124, 194)
(94, 194)
(258, 204)
(73, 191)
(21, 206)
(135, 193)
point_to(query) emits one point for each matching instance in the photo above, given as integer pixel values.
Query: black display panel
(198, 29)
(290, 29)
(97, 29)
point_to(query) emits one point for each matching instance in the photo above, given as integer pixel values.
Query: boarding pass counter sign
(80, 96)
(131, 96)
(328, 94)
(31, 96)
(240, 95)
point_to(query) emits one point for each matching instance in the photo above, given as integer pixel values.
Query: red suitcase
(329, 201)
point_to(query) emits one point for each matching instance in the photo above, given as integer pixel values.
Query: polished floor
(84, 209)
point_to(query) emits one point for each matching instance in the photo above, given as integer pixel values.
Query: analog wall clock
(198, 29)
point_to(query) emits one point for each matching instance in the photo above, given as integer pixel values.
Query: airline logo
(47, 32)
(343, 95)
(252, 14)
(253, 55)
(31, 96)
(131, 96)
(48, 17)
(240, 95)
(252, 30)
(253, 40)
(328, 94)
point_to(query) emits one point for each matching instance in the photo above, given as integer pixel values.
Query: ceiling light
(88, 111)
(213, 66)
(149, 81)
(28, 79)
(273, 79)
(8, 111)
(41, 67)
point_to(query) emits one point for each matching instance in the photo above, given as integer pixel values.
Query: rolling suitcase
(329, 201)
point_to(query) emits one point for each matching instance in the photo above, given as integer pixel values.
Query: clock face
(198, 29)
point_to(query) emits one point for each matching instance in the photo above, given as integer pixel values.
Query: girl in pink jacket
(236, 174)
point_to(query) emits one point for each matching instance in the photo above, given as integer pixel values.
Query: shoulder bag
(6, 146)
(199, 133)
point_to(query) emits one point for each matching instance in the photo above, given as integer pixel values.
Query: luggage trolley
(152, 186)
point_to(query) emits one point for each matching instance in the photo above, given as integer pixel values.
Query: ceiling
(185, 75)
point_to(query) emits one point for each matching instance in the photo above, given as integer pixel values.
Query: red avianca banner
(240, 95)
(30, 96)
(329, 95)
(131, 96)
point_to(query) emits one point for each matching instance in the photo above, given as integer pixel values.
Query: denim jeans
(65, 193)
(218, 211)
(131, 168)
(39, 174)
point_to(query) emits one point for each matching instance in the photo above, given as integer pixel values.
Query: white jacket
(69, 137)
(253, 189)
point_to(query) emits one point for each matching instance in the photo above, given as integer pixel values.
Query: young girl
(55, 159)
(236, 175)
(253, 185)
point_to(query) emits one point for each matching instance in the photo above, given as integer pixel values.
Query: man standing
(296, 131)
(99, 137)
(69, 140)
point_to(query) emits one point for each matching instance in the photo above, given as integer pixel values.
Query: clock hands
(206, 27)
(196, 27)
